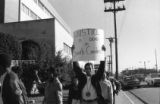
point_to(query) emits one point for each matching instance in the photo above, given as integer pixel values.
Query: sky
(138, 28)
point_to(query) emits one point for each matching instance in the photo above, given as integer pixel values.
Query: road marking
(138, 97)
(128, 97)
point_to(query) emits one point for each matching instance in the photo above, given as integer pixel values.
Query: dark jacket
(94, 79)
(73, 93)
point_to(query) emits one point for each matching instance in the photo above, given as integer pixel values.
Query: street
(139, 96)
(147, 95)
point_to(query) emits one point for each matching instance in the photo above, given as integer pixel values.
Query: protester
(11, 91)
(35, 84)
(89, 86)
(53, 90)
(74, 95)
(115, 85)
(107, 90)
(37, 76)
(18, 71)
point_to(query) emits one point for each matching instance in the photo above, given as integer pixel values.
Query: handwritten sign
(88, 45)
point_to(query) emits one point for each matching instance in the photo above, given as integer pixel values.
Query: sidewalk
(122, 98)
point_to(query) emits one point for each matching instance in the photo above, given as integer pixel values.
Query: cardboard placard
(88, 45)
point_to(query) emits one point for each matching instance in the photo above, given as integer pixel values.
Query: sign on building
(88, 45)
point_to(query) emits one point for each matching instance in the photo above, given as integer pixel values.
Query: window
(47, 12)
(38, 17)
(40, 4)
(66, 48)
(25, 9)
(29, 12)
(33, 15)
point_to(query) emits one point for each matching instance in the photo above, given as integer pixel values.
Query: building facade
(28, 10)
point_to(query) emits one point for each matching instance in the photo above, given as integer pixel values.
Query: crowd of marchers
(86, 88)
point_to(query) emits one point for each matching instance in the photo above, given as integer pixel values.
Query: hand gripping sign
(88, 45)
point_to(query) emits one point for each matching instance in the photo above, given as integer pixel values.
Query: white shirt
(107, 90)
(89, 88)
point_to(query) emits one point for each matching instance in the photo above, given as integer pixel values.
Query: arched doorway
(30, 50)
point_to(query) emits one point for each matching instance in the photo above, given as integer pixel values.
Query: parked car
(129, 82)
(140, 77)
(153, 79)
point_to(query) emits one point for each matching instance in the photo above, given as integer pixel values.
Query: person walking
(19, 71)
(107, 90)
(89, 86)
(115, 85)
(53, 90)
(11, 90)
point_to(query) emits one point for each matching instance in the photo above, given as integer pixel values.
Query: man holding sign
(88, 46)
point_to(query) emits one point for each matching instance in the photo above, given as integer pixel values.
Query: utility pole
(19, 11)
(110, 44)
(115, 9)
(145, 65)
(156, 60)
(109, 63)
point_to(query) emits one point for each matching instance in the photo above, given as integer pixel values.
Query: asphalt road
(147, 95)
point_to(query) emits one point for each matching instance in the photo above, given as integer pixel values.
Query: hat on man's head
(5, 60)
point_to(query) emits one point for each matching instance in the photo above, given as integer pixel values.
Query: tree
(59, 61)
(10, 45)
(47, 55)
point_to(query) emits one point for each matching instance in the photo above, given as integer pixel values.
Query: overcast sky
(138, 27)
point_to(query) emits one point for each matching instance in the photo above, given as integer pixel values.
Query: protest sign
(88, 45)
